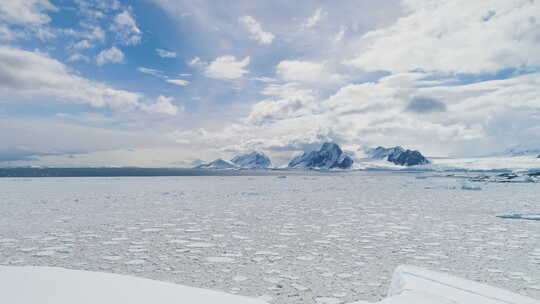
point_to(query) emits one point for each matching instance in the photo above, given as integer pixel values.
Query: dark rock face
(330, 156)
(408, 158)
(384, 153)
(253, 160)
(217, 164)
(399, 156)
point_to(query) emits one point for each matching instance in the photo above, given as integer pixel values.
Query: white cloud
(152, 72)
(125, 29)
(163, 105)
(227, 68)
(26, 12)
(179, 82)
(255, 28)
(456, 37)
(289, 100)
(196, 61)
(265, 79)
(315, 18)
(165, 54)
(159, 74)
(78, 57)
(79, 145)
(112, 55)
(341, 33)
(472, 119)
(107, 4)
(7, 34)
(32, 76)
(306, 71)
(95, 33)
(83, 44)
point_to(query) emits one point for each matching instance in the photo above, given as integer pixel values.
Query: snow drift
(50, 285)
(43, 285)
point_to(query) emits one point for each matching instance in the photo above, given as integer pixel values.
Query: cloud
(451, 37)
(478, 118)
(422, 104)
(7, 34)
(306, 71)
(26, 12)
(196, 61)
(179, 82)
(227, 68)
(78, 57)
(255, 28)
(159, 74)
(125, 29)
(112, 55)
(46, 142)
(315, 18)
(287, 101)
(152, 72)
(165, 54)
(163, 105)
(83, 44)
(340, 34)
(26, 75)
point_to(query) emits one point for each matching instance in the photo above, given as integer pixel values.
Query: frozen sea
(313, 238)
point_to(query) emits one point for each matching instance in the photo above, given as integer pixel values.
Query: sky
(167, 83)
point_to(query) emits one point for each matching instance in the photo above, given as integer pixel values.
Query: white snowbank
(415, 285)
(50, 285)
(512, 163)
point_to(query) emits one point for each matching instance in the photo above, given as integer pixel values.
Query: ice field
(321, 238)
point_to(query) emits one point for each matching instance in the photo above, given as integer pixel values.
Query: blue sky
(164, 83)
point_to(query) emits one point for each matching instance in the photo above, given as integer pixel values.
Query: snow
(409, 285)
(416, 285)
(253, 160)
(329, 156)
(216, 164)
(491, 163)
(51, 285)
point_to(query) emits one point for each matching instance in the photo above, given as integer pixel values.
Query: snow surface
(412, 284)
(492, 163)
(51, 285)
(43, 285)
(334, 237)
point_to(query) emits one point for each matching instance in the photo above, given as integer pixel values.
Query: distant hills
(399, 156)
(329, 156)
(253, 160)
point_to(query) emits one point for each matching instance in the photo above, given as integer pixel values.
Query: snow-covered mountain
(253, 160)
(520, 150)
(398, 156)
(330, 156)
(383, 153)
(216, 164)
